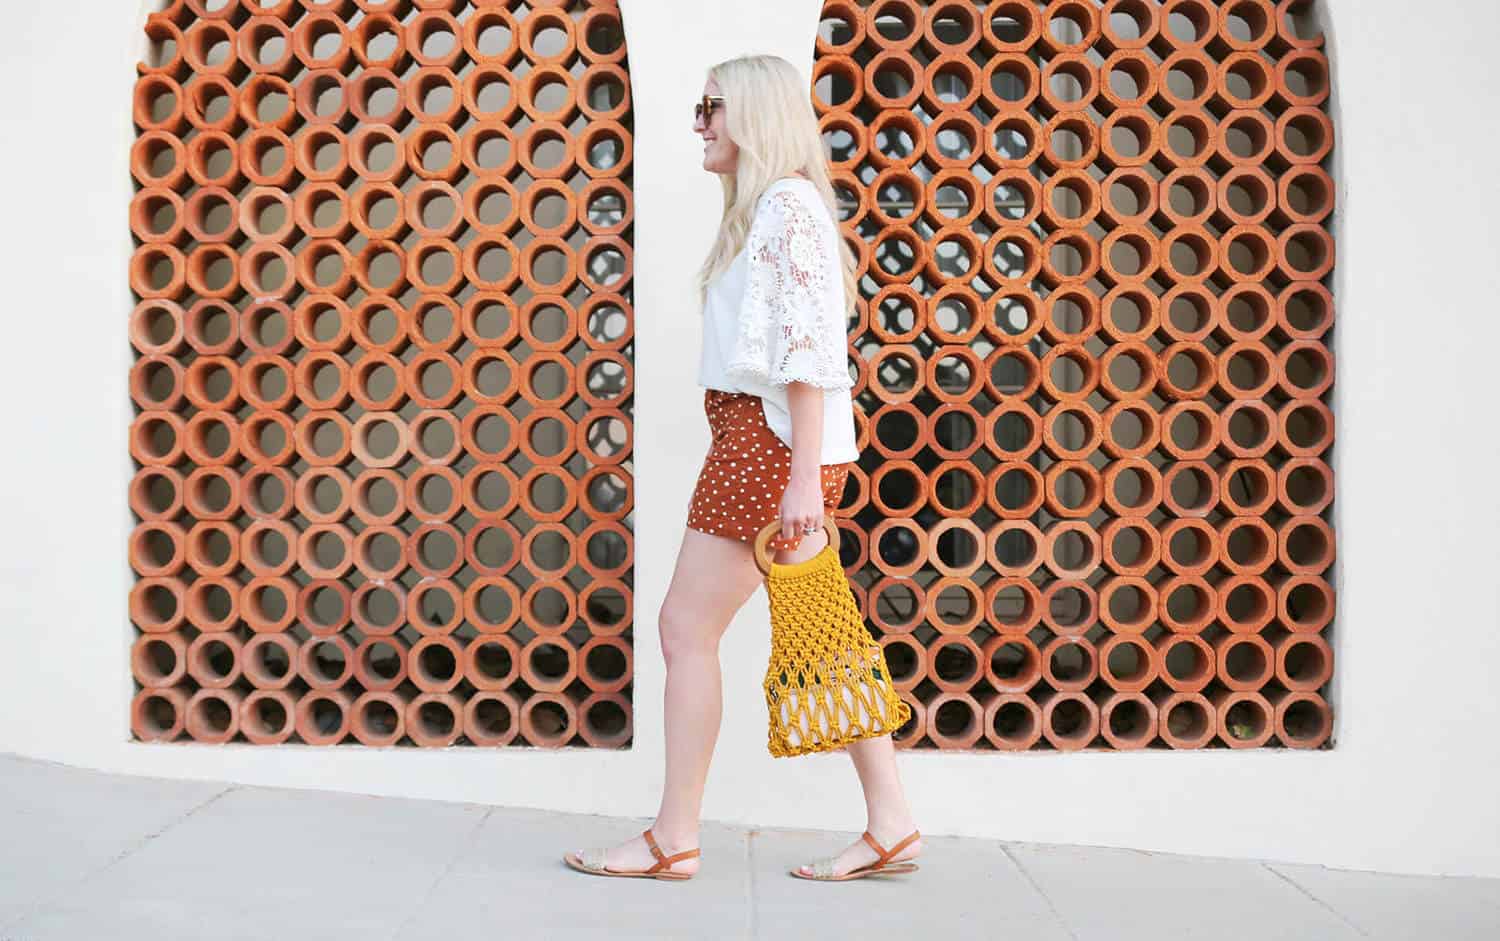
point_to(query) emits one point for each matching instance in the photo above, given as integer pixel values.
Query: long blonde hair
(768, 112)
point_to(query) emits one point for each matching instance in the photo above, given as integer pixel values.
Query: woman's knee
(682, 634)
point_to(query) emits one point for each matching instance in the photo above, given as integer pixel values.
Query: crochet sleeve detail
(788, 328)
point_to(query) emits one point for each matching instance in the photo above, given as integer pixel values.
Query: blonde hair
(768, 113)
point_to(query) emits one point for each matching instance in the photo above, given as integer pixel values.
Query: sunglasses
(705, 108)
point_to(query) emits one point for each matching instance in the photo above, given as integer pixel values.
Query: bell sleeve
(789, 328)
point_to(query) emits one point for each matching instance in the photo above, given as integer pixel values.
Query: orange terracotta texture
(1093, 363)
(383, 374)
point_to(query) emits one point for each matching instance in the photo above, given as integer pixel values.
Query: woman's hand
(802, 503)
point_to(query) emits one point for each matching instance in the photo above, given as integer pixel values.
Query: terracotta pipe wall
(333, 268)
(1118, 324)
(1091, 355)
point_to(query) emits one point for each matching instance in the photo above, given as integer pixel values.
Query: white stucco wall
(1411, 785)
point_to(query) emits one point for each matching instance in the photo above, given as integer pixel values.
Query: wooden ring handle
(763, 559)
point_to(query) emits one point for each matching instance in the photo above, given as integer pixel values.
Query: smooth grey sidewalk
(86, 855)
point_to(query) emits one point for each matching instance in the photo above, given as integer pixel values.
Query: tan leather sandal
(592, 861)
(822, 869)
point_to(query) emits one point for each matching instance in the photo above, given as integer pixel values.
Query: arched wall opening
(1094, 356)
(383, 374)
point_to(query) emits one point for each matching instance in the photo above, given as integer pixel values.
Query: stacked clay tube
(383, 259)
(1093, 364)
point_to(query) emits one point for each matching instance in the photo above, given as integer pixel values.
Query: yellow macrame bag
(827, 683)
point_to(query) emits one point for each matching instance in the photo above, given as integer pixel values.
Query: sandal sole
(890, 870)
(668, 876)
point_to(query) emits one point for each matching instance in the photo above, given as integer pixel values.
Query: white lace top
(776, 315)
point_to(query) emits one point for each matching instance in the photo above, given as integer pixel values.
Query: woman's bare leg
(887, 813)
(713, 578)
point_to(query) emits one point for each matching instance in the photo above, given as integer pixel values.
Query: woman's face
(720, 154)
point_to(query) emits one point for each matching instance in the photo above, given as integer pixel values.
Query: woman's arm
(790, 334)
(802, 504)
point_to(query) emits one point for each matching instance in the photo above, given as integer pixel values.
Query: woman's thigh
(713, 578)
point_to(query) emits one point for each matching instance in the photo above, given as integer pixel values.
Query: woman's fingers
(795, 522)
(793, 526)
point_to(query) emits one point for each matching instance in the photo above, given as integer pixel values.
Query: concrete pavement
(93, 856)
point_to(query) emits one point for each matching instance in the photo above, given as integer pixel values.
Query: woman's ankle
(890, 824)
(674, 837)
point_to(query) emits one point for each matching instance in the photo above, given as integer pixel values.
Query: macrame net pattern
(827, 683)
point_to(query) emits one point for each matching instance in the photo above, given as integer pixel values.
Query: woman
(777, 288)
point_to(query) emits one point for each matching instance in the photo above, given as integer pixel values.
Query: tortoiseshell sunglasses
(705, 108)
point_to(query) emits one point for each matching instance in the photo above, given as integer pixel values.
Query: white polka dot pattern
(746, 472)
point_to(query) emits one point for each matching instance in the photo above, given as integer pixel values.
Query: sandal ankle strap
(664, 861)
(886, 854)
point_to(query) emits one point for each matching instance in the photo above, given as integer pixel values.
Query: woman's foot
(859, 853)
(635, 855)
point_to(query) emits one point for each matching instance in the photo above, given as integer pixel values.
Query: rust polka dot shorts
(746, 472)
